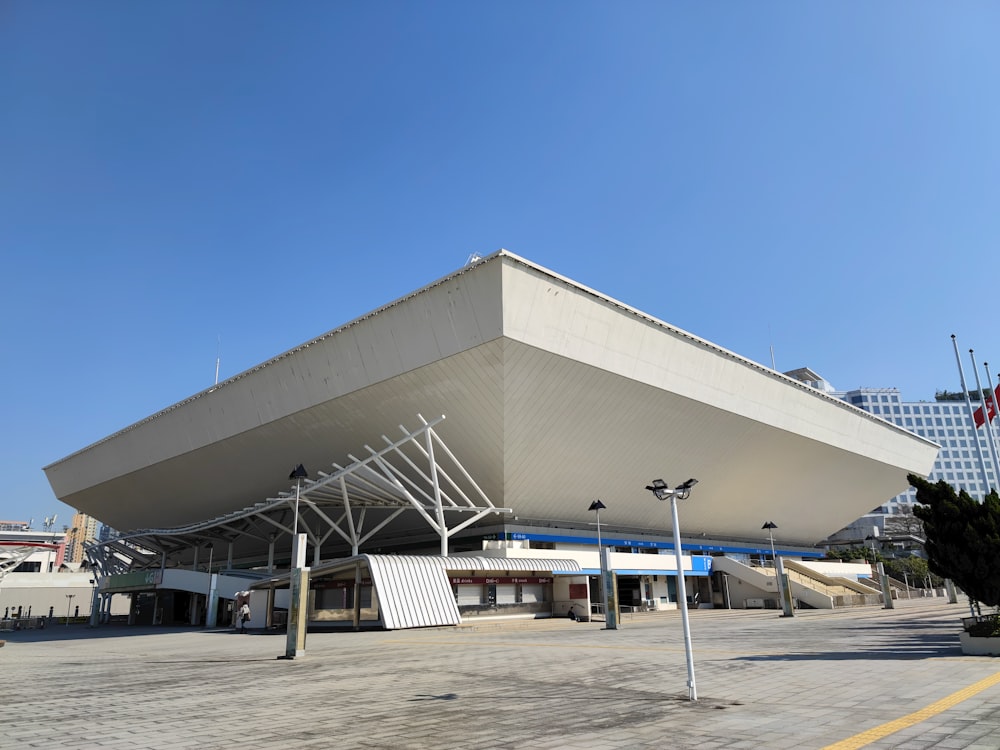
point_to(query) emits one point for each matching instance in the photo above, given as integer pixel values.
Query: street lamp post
(879, 569)
(298, 580)
(209, 604)
(779, 573)
(298, 474)
(682, 491)
(94, 609)
(610, 621)
(69, 604)
(873, 539)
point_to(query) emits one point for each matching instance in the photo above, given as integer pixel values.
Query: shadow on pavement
(909, 647)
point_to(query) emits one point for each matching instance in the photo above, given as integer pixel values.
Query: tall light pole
(298, 474)
(779, 572)
(879, 569)
(873, 539)
(298, 580)
(682, 491)
(69, 603)
(770, 526)
(94, 614)
(597, 506)
(208, 597)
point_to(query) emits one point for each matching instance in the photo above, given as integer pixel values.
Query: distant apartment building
(82, 532)
(106, 533)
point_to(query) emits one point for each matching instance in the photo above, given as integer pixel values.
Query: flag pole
(986, 400)
(989, 416)
(972, 416)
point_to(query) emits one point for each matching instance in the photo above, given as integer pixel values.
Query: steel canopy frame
(417, 472)
(13, 554)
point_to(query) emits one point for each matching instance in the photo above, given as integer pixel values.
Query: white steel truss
(416, 473)
(13, 555)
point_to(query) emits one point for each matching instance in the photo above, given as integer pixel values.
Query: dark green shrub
(988, 627)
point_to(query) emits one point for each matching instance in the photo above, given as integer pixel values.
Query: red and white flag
(988, 410)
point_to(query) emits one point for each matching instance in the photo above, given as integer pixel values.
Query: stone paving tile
(803, 682)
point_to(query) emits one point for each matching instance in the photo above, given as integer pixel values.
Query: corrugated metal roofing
(413, 591)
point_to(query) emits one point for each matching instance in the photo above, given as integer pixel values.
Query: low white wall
(838, 569)
(40, 591)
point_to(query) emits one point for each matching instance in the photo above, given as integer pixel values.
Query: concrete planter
(972, 646)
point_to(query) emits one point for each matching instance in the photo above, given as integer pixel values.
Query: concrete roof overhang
(554, 395)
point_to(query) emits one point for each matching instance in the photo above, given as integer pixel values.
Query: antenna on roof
(218, 359)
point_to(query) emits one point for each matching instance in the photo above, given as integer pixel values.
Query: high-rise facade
(83, 531)
(965, 459)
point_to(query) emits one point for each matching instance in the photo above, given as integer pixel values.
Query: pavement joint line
(891, 727)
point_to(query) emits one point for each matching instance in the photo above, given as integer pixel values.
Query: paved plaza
(869, 678)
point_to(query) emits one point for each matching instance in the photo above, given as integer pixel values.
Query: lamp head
(299, 472)
(660, 489)
(683, 490)
(597, 505)
(770, 525)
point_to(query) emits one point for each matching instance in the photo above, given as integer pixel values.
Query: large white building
(552, 394)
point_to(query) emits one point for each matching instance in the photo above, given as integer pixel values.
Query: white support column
(211, 610)
(438, 506)
(350, 517)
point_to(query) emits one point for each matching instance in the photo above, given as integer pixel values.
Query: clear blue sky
(820, 177)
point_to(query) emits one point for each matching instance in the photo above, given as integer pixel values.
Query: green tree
(963, 538)
(847, 554)
(914, 567)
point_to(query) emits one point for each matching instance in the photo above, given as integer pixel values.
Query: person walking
(244, 617)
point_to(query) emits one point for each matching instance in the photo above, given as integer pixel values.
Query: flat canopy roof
(554, 395)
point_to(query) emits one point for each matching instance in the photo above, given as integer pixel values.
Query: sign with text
(340, 583)
(136, 579)
(499, 579)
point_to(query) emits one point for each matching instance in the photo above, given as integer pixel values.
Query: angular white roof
(554, 395)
